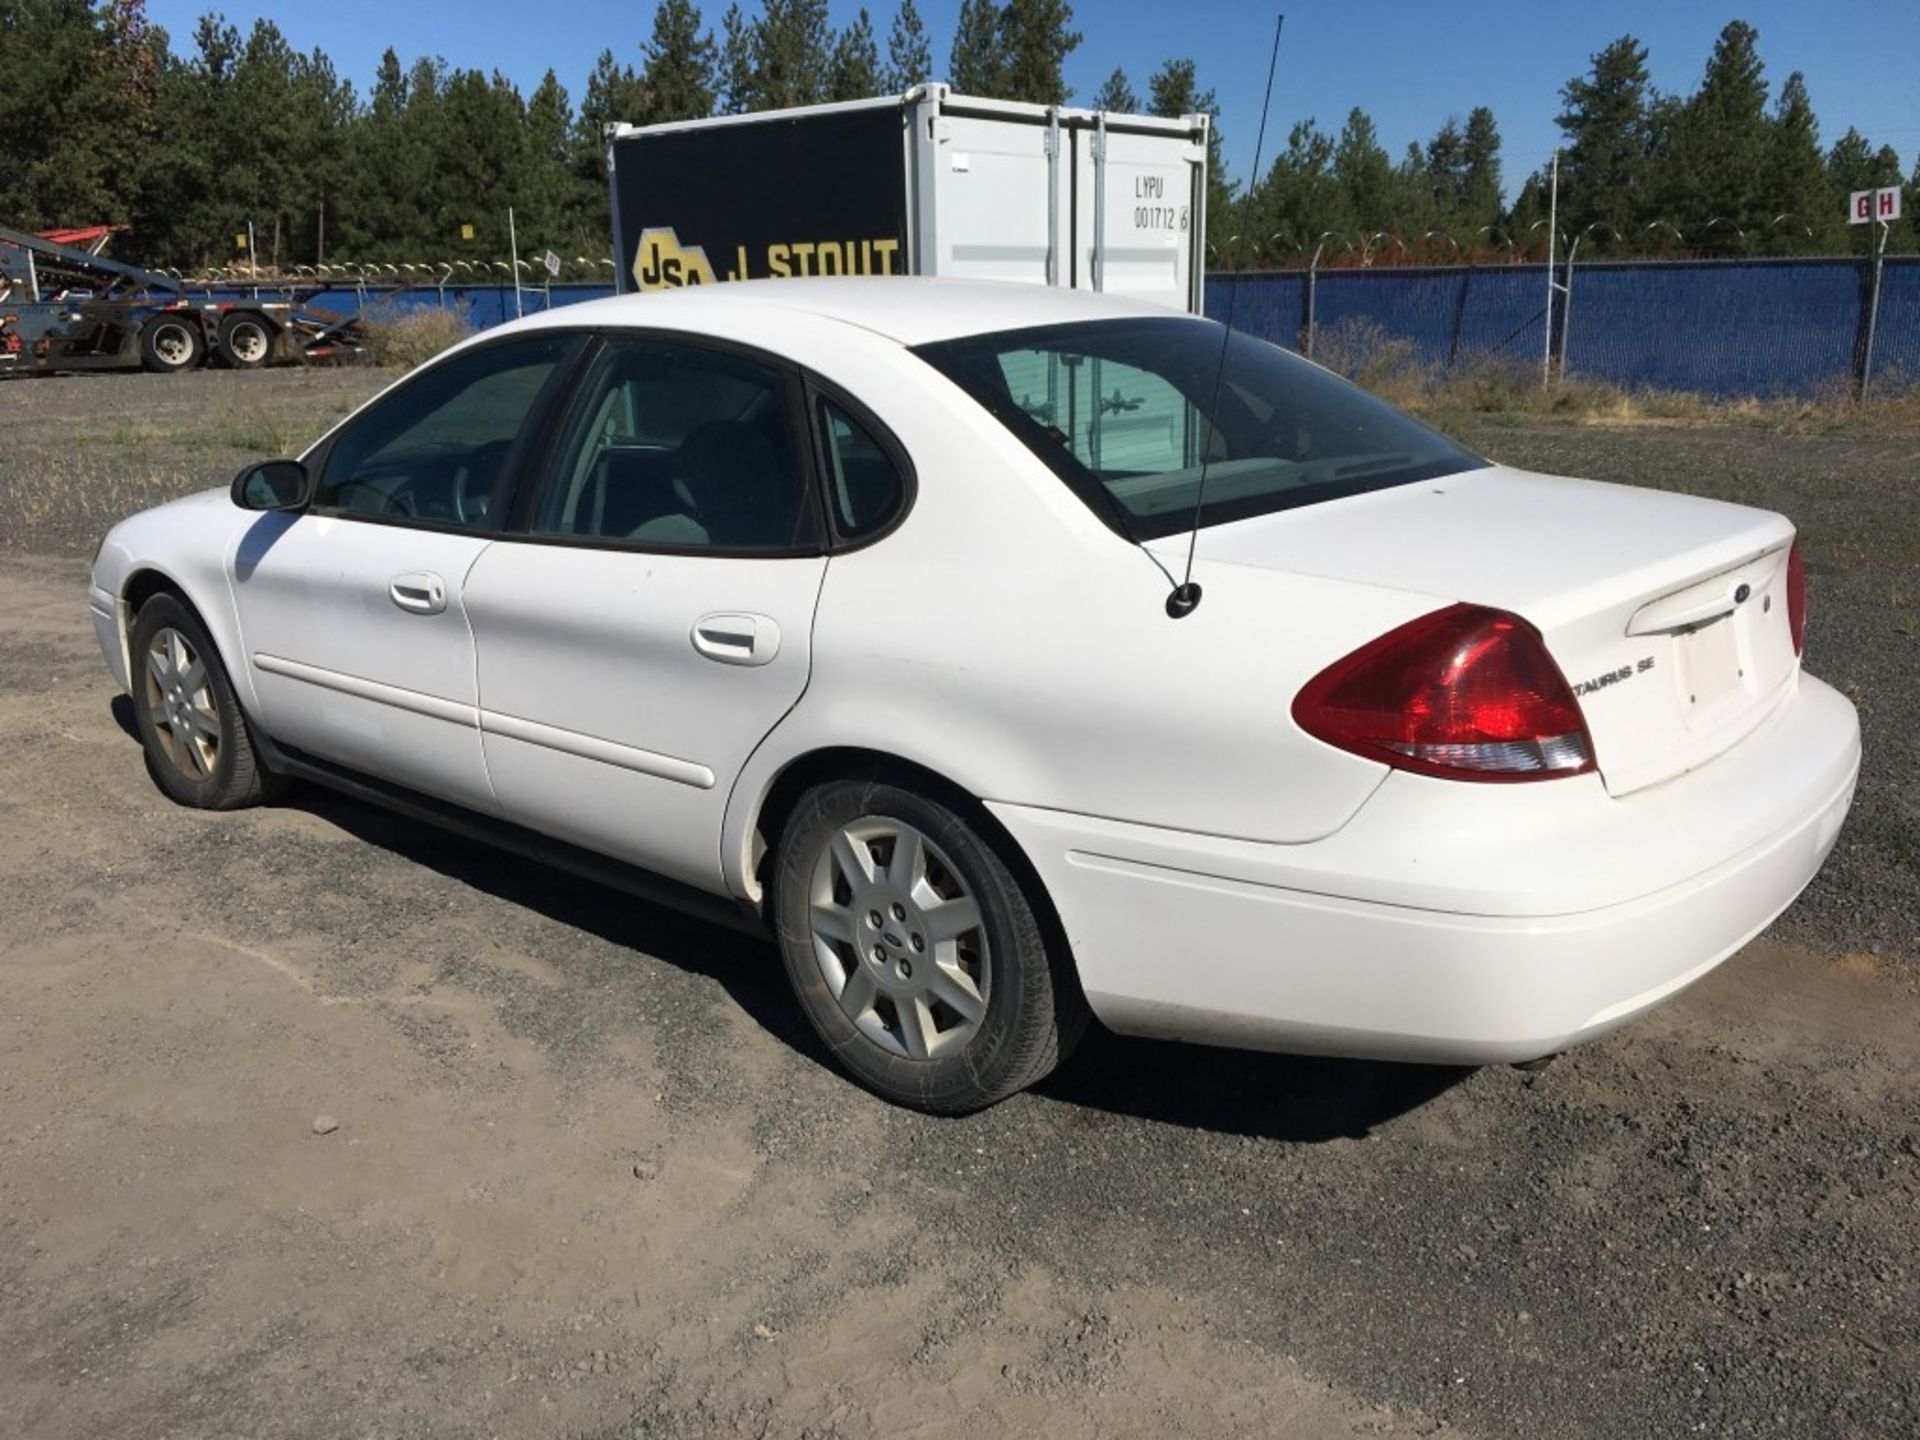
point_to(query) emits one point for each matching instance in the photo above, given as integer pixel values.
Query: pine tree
(558, 210)
(1606, 125)
(1365, 174)
(1300, 198)
(1480, 177)
(736, 61)
(978, 64)
(1116, 95)
(909, 58)
(1417, 201)
(1800, 192)
(854, 72)
(1712, 174)
(613, 93)
(1442, 185)
(65, 122)
(679, 69)
(1034, 44)
(792, 54)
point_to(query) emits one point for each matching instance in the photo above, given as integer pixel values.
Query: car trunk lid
(1667, 613)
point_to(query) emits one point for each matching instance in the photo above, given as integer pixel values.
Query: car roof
(909, 309)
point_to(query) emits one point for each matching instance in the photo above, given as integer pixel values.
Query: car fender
(187, 543)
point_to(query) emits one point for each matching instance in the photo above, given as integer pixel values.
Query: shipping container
(925, 183)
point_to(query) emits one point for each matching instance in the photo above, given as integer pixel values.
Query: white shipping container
(926, 183)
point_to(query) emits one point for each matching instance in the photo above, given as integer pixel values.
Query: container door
(1146, 246)
(991, 219)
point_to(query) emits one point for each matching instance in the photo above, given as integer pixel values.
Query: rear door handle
(421, 592)
(737, 639)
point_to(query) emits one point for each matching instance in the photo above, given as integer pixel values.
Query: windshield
(1119, 410)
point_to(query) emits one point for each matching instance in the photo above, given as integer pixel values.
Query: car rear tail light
(1797, 599)
(1466, 693)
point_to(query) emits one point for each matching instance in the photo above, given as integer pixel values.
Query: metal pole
(1873, 307)
(1313, 271)
(1312, 277)
(513, 244)
(253, 255)
(33, 279)
(1553, 223)
(1053, 195)
(1566, 304)
(1100, 201)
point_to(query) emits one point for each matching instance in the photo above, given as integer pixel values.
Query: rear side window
(436, 448)
(864, 487)
(672, 446)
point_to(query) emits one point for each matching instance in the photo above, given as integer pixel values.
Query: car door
(655, 621)
(351, 611)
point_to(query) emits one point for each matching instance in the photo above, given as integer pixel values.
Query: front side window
(1125, 412)
(673, 446)
(435, 449)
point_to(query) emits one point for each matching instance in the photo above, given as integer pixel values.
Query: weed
(402, 339)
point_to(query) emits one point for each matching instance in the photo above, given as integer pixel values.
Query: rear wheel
(245, 340)
(172, 343)
(198, 748)
(915, 951)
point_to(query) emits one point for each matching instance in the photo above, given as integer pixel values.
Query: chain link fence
(1767, 328)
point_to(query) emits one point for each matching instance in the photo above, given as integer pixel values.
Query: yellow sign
(240, 241)
(662, 263)
(466, 232)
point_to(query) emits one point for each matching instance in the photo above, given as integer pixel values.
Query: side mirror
(273, 485)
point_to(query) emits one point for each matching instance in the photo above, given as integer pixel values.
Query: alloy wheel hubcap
(899, 939)
(186, 721)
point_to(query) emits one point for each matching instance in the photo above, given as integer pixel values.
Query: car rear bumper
(1451, 922)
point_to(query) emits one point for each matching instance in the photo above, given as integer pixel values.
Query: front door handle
(422, 592)
(737, 639)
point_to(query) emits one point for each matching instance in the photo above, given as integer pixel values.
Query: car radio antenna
(1185, 597)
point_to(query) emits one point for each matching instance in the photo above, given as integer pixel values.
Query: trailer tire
(245, 340)
(171, 343)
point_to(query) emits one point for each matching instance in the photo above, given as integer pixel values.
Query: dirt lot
(592, 1178)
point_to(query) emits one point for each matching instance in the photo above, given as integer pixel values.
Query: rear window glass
(1125, 412)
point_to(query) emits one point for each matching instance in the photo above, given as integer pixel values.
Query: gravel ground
(592, 1177)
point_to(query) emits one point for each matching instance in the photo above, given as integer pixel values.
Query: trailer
(925, 183)
(65, 308)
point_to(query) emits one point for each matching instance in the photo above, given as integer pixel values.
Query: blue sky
(1409, 63)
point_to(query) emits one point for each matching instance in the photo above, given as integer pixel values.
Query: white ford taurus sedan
(851, 610)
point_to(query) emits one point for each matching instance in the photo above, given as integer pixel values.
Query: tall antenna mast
(1185, 597)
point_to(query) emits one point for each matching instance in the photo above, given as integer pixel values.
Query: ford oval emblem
(1740, 595)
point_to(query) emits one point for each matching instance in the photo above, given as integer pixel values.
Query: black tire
(172, 342)
(1033, 1010)
(228, 774)
(244, 341)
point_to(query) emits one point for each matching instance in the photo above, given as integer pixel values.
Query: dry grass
(79, 452)
(402, 339)
(1495, 388)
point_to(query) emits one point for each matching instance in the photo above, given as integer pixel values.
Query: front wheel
(198, 748)
(915, 952)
